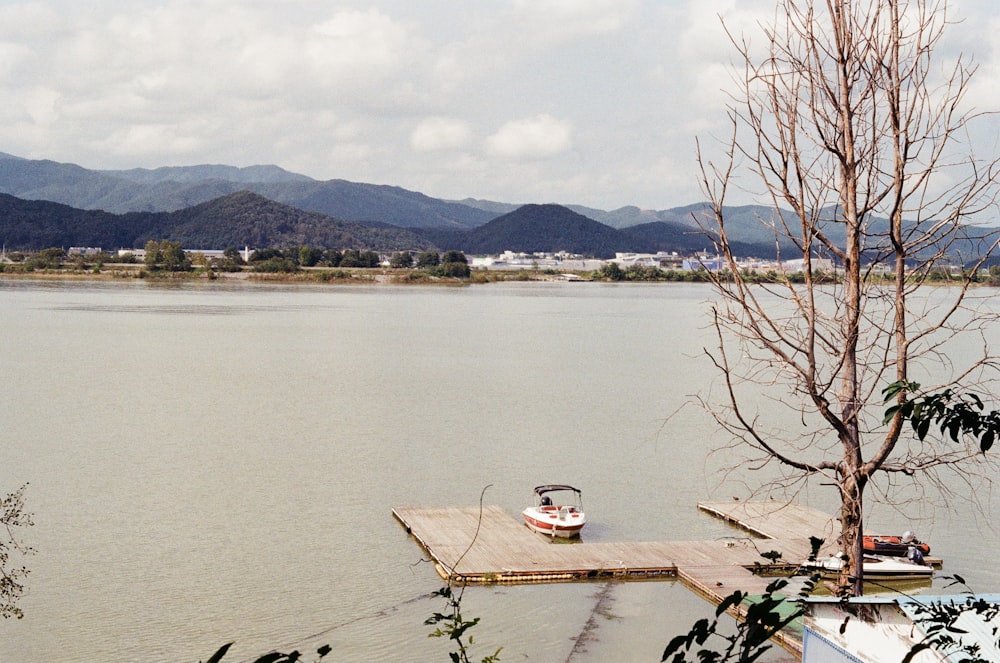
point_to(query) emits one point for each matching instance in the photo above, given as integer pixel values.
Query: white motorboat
(875, 567)
(557, 511)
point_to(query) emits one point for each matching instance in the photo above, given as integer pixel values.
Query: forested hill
(176, 188)
(544, 228)
(553, 228)
(237, 219)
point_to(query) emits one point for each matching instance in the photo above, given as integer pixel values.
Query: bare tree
(857, 137)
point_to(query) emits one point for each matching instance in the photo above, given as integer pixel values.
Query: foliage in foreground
(13, 516)
(939, 620)
(763, 620)
(273, 657)
(452, 625)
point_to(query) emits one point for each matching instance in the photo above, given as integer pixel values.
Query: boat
(557, 511)
(895, 546)
(875, 567)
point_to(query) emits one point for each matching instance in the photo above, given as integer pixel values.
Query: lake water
(214, 463)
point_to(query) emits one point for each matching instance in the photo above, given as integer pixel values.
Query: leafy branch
(451, 623)
(12, 516)
(273, 657)
(954, 413)
(764, 619)
(939, 621)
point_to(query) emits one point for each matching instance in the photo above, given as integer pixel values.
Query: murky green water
(216, 463)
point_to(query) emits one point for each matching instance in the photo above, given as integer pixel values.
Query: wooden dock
(488, 545)
(496, 547)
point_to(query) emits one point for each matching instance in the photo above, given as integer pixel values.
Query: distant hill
(553, 228)
(238, 219)
(675, 237)
(374, 203)
(471, 225)
(248, 218)
(175, 188)
(190, 174)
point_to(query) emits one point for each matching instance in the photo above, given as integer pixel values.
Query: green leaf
(914, 650)
(922, 427)
(273, 657)
(217, 656)
(733, 599)
(890, 413)
(673, 646)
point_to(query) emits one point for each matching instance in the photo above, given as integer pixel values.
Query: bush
(276, 265)
(458, 270)
(401, 260)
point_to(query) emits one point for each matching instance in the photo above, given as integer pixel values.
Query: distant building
(659, 260)
(540, 260)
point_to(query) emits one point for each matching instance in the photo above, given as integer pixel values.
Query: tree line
(168, 256)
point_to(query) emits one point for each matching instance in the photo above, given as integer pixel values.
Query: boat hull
(877, 568)
(554, 522)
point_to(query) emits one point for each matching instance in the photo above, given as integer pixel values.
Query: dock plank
(775, 520)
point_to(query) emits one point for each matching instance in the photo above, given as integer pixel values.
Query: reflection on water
(214, 464)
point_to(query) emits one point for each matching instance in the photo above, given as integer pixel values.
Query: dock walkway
(499, 548)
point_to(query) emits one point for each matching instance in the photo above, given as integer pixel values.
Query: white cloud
(533, 137)
(440, 133)
(40, 104)
(12, 57)
(140, 139)
(560, 20)
(358, 44)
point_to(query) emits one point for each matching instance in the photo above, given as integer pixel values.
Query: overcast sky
(596, 102)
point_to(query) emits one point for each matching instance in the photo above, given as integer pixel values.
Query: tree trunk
(850, 582)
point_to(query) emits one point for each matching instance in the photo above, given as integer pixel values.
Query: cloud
(562, 20)
(40, 104)
(139, 139)
(534, 137)
(439, 133)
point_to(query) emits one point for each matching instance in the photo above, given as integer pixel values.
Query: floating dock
(488, 545)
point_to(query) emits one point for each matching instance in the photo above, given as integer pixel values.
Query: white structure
(659, 260)
(877, 629)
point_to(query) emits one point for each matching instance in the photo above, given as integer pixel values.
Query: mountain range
(45, 203)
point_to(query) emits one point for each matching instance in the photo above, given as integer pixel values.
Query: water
(214, 463)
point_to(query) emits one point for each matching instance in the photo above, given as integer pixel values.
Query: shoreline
(368, 276)
(309, 276)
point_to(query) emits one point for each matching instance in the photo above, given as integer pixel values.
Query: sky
(591, 102)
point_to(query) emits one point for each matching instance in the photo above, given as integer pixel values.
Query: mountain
(175, 188)
(675, 237)
(247, 218)
(238, 219)
(189, 174)
(471, 225)
(538, 228)
(374, 202)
